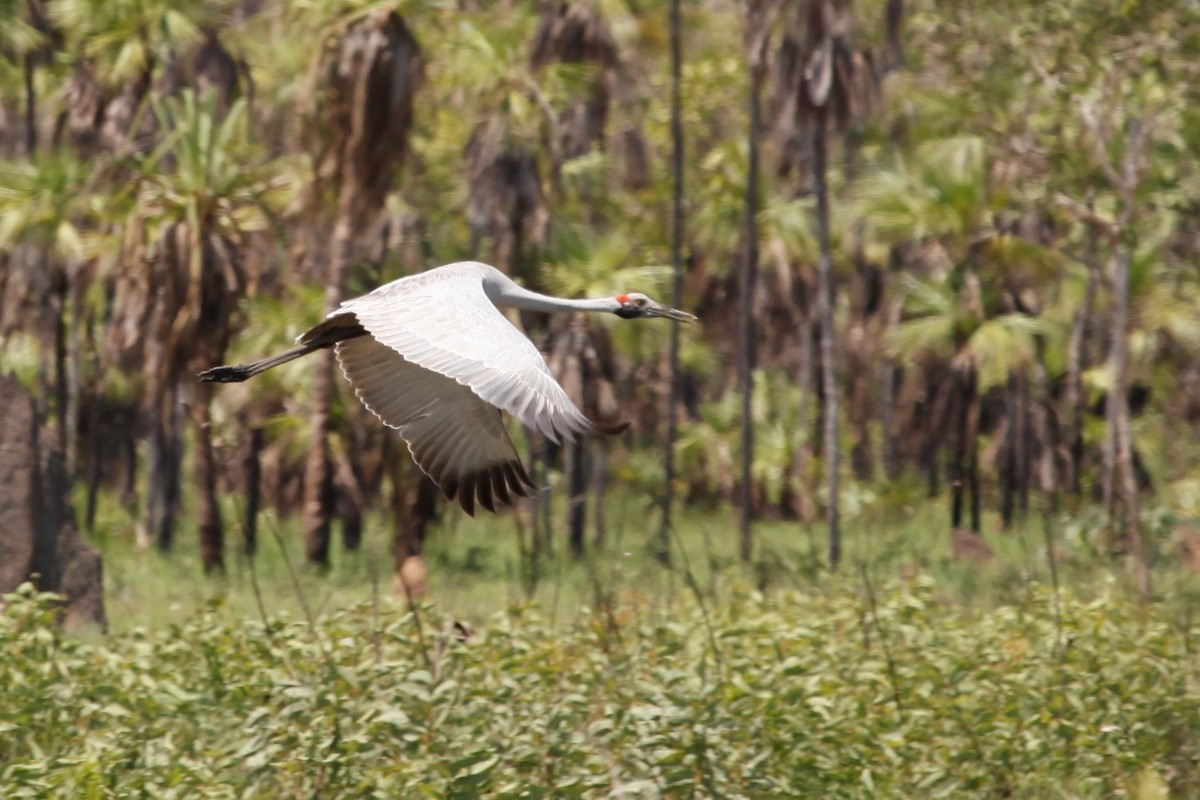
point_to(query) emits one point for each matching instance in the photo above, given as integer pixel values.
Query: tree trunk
(318, 468)
(1024, 446)
(1117, 409)
(963, 477)
(1008, 470)
(825, 303)
(31, 135)
(533, 504)
(253, 467)
(95, 457)
(663, 546)
(163, 472)
(930, 452)
(74, 389)
(1043, 466)
(803, 415)
(414, 501)
(575, 456)
(208, 512)
(1076, 362)
(599, 485)
(746, 319)
(887, 401)
(350, 500)
(60, 356)
(973, 455)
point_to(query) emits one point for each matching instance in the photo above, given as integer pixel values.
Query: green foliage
(786, 696)
(126, 37)
(43, 202)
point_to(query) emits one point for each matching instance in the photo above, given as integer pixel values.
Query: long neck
(507, 294)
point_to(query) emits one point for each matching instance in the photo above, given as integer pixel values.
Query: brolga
(433, 356)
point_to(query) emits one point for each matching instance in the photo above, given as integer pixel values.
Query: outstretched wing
(455, 437)
(444, 322)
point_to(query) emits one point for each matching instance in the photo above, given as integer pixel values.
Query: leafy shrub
(781, 696)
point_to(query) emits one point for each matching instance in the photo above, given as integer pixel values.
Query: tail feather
(327, 334)
(240, 372)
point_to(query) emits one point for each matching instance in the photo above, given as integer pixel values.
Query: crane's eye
(640, 302)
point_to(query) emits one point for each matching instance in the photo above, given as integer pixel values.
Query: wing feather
(444, 322)
(456, 438)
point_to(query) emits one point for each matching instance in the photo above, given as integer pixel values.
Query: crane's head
(636, 305)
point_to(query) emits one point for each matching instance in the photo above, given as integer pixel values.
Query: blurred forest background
(944, 254)
(914, 512)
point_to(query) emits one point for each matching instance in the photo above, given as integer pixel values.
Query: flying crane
(433, 356)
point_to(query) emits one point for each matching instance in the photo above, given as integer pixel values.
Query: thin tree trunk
(1120, 454)
(95, 457)
(663, 548)
(166, 456)
(352, 527)
(350, 501)
(575, 456)
(803, 414)
(208, 512)
(930, 450)
(1118, 418)
(414, 498)
(253, 467)
(31, 135)
(959, 461)
(1024, 446)
(1047, 481)
(318, 468)
(825, 302)
(60, 356)
(599, 487)
(887, 402)
(973, 485)
(129, 492)
(534, 504)
(74, 386)
(746, 347)
(1008, 472)
(545, 500)
(971, 445)
(1074, 400)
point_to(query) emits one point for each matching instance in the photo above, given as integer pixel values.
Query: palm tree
(664, 540)
(982, 350)
(368, 75)
(45, 204)
(938, 203)
(120, 48)
(23, 40)
(757, 32)
(202, 194)
(826, 84)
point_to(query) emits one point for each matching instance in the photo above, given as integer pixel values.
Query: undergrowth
(892, 692)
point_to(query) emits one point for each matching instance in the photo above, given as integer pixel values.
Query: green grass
(617, 677)
(789, 694)
(475, 565)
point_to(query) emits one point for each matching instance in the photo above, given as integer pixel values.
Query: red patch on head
(622, 299)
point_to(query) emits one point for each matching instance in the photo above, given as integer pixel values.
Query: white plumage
(433, 356)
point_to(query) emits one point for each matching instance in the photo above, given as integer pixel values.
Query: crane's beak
(659, 310)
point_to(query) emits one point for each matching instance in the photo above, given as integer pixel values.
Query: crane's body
(433, 356)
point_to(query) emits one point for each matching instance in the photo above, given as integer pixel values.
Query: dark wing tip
(466, 495)
(491, 487)
(223, 374)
